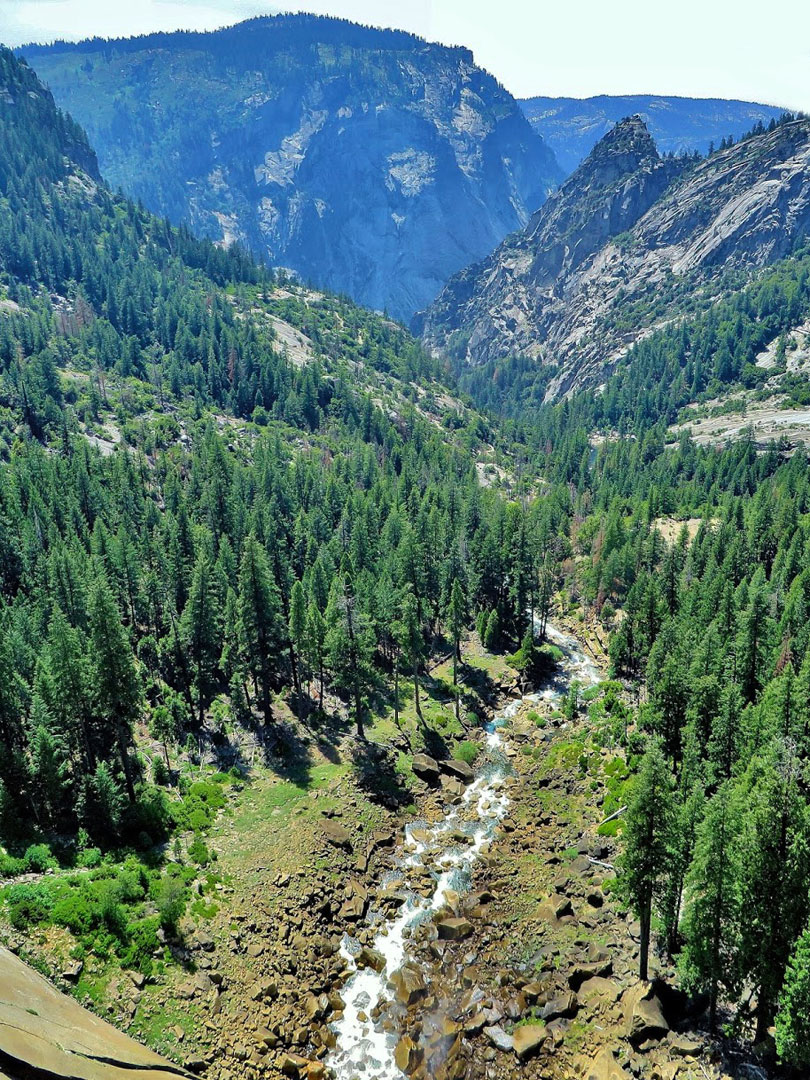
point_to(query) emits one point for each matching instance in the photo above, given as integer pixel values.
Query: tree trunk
(294, 666)
(126, 764)
(416, 691)
(644, 951)
(396, 691)
(358, 711)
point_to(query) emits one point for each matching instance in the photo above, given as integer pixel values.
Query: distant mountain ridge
(573, 126)
(620, 248)
(370, 162)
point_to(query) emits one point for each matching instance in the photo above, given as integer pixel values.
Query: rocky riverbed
(476, 938)
(479, 940)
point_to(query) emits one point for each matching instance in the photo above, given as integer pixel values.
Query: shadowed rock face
(47, 1034)
(624, 223)
(370, 162)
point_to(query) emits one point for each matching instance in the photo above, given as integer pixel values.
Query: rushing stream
(363, 1048)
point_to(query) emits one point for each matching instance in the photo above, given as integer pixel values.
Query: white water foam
(364, 1049)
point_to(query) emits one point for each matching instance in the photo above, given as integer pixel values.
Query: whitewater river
(363, 1049)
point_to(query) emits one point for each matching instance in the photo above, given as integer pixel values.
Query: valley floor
(542, 985)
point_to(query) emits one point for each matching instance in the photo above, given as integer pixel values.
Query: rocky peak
(625, 148)
(619, 180)
(626, 220)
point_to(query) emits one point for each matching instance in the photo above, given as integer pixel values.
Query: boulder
(599, 988)
(556, 907)
(407, 1055)
(580, 973)
(560, 1005)
(354, 908)
(603, 1067)
(408, 984)
(459, 769)
(337, 835)
(45, 1033)
(644, 1016)
(498, 1037)
(293, 1064)
(684, 1045)
(370, 958)
(527, 1040)
(454, 929)
(426, 768)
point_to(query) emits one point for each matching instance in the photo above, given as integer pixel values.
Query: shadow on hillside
(375, 771)
(286, 752)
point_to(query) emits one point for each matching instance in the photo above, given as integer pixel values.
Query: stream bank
(505, 954)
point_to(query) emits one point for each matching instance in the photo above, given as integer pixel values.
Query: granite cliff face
(46, 1034)
(573, 126)
(368, 161)
(625, 228)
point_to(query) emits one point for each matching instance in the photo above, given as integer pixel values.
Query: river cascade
(363, 1048)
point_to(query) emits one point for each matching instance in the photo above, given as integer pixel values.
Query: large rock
(580, 973)
(498, 1037)
(563, 1005)
(456, 929)
(459, 769)
(49, 1035)
(426, 768)
(337, 834)
(644, 1016)
(527, 1040)
(370, 958)
(407, 1055)
(408, 984)
(603, 1067)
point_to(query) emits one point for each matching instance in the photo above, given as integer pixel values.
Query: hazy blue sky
(715, 48)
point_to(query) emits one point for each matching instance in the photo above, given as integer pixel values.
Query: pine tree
(456, 617)
(775, 873)
(647, 839)
(411, 640)
(259, 620)
(793, 1018)
(711, 921)
(350, 646)
(200, 631)
(115, 680)
(297, 630)
(315, 645)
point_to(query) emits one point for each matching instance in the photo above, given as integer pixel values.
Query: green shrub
(11, 866)
(160, 773)
(39, 858)
(169, 894)
(198, 851)
(77, 911)
(142, 941)
(466, 751)
(90, 858)
(28, 905)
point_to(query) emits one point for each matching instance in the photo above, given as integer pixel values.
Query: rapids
(363, 1048)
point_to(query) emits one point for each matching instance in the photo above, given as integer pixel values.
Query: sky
(696, 48)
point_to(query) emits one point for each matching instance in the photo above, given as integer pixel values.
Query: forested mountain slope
(370, 162)
(628, 243)
(262, 517)
(232, 505)
(573, 126)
